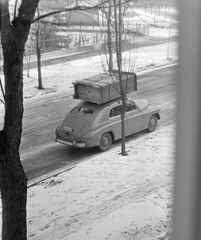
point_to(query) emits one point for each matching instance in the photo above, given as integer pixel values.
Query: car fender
(150, 111)
(92, 138)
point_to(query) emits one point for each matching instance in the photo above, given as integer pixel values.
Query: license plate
(67, 129)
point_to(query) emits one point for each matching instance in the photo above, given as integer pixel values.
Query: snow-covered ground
(109, 196)
(106, 197)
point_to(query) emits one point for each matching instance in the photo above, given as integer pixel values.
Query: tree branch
(27, 10)
(4, 15)
(78, 8)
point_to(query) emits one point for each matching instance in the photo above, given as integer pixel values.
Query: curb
(140, 72)
(37, 180)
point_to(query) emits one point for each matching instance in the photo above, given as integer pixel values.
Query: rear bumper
(72, 144)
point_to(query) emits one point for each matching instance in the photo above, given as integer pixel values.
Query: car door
(133, 117)
(114, 121)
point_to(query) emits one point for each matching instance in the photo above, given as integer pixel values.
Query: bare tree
(109, 34)
(38, 53)
(115, 12)
(13, 180)
(118, 35)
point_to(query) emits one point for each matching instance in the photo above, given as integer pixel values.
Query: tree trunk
(38, 52)
(119, 63)
(109, 41)
(13, 190)
(13, 181)
(123, 137)
(118, 29)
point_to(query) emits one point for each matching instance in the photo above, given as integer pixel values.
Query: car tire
(153, 122)
(105, 142)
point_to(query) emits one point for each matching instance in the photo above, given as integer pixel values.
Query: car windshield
(82, 111)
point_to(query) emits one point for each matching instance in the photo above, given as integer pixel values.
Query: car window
(115, 111)
(130, 107)
(82, 111)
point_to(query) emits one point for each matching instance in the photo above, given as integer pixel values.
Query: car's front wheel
(153, 122)
(105, 142)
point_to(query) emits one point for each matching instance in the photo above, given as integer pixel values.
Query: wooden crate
(103, 88)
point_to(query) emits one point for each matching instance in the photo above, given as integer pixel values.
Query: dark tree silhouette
(13, 181)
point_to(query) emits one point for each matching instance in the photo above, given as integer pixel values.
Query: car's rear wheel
(153, 122)
(105, 142)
